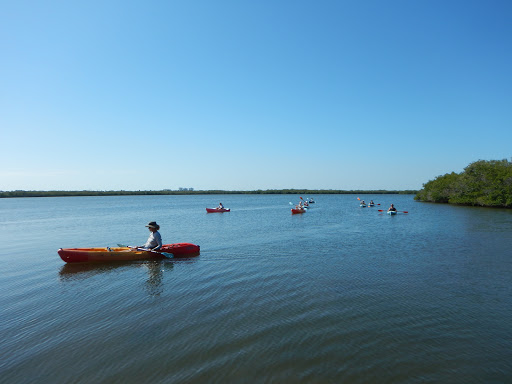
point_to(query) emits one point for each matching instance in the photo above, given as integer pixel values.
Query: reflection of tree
(154, 284)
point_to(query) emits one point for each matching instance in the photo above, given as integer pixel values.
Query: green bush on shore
(482, 183)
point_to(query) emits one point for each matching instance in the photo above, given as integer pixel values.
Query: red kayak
(211, 210)
(89, 255)
(297, 210)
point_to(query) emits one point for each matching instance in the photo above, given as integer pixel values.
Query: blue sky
(243, 95)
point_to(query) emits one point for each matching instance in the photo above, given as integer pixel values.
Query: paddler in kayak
(154, 242)
(220, 206)
(391, 208)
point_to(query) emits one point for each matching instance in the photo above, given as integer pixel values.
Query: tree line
(482, 183)
(22, 193)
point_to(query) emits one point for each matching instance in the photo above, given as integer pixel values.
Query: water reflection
(154, 282)
(78, 271)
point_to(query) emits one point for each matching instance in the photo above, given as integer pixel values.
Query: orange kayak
(296, 210)
(88, 255)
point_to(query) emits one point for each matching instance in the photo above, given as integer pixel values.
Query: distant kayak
(362, 205)
(103, 254)
(297, 210)
(211, 210)
(392, 212)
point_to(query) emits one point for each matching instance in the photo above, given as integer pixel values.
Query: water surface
(338, 294)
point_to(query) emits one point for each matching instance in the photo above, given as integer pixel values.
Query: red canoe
(89, 255)
(211, 210)
(295, 210)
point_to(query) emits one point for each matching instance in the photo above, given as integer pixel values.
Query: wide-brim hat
(153, 224)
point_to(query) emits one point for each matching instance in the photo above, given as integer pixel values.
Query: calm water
(340, 294)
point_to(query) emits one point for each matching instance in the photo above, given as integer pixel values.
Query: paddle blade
(358, 198)
(405, 212)
(380, 210)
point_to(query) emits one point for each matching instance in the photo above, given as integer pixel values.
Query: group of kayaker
(154, 241)
(303, 203)
(372, 204)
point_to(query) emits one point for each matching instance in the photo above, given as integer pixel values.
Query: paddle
(168, 255)
(383, 210)
(306, 204)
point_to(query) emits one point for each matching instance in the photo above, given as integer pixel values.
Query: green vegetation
(212, 192)
(482, 183)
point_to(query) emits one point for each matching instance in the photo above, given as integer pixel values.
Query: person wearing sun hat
(154, 242)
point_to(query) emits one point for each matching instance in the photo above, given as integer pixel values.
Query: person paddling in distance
(392, 208)
(154, 242)
(220, 206)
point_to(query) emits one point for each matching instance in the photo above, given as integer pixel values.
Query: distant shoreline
(22, 193)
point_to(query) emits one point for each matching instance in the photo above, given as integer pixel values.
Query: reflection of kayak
(392, 212)
(296, 210)
(84, 255)
(210, 210)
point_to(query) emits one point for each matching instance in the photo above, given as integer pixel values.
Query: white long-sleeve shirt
(154, 241)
